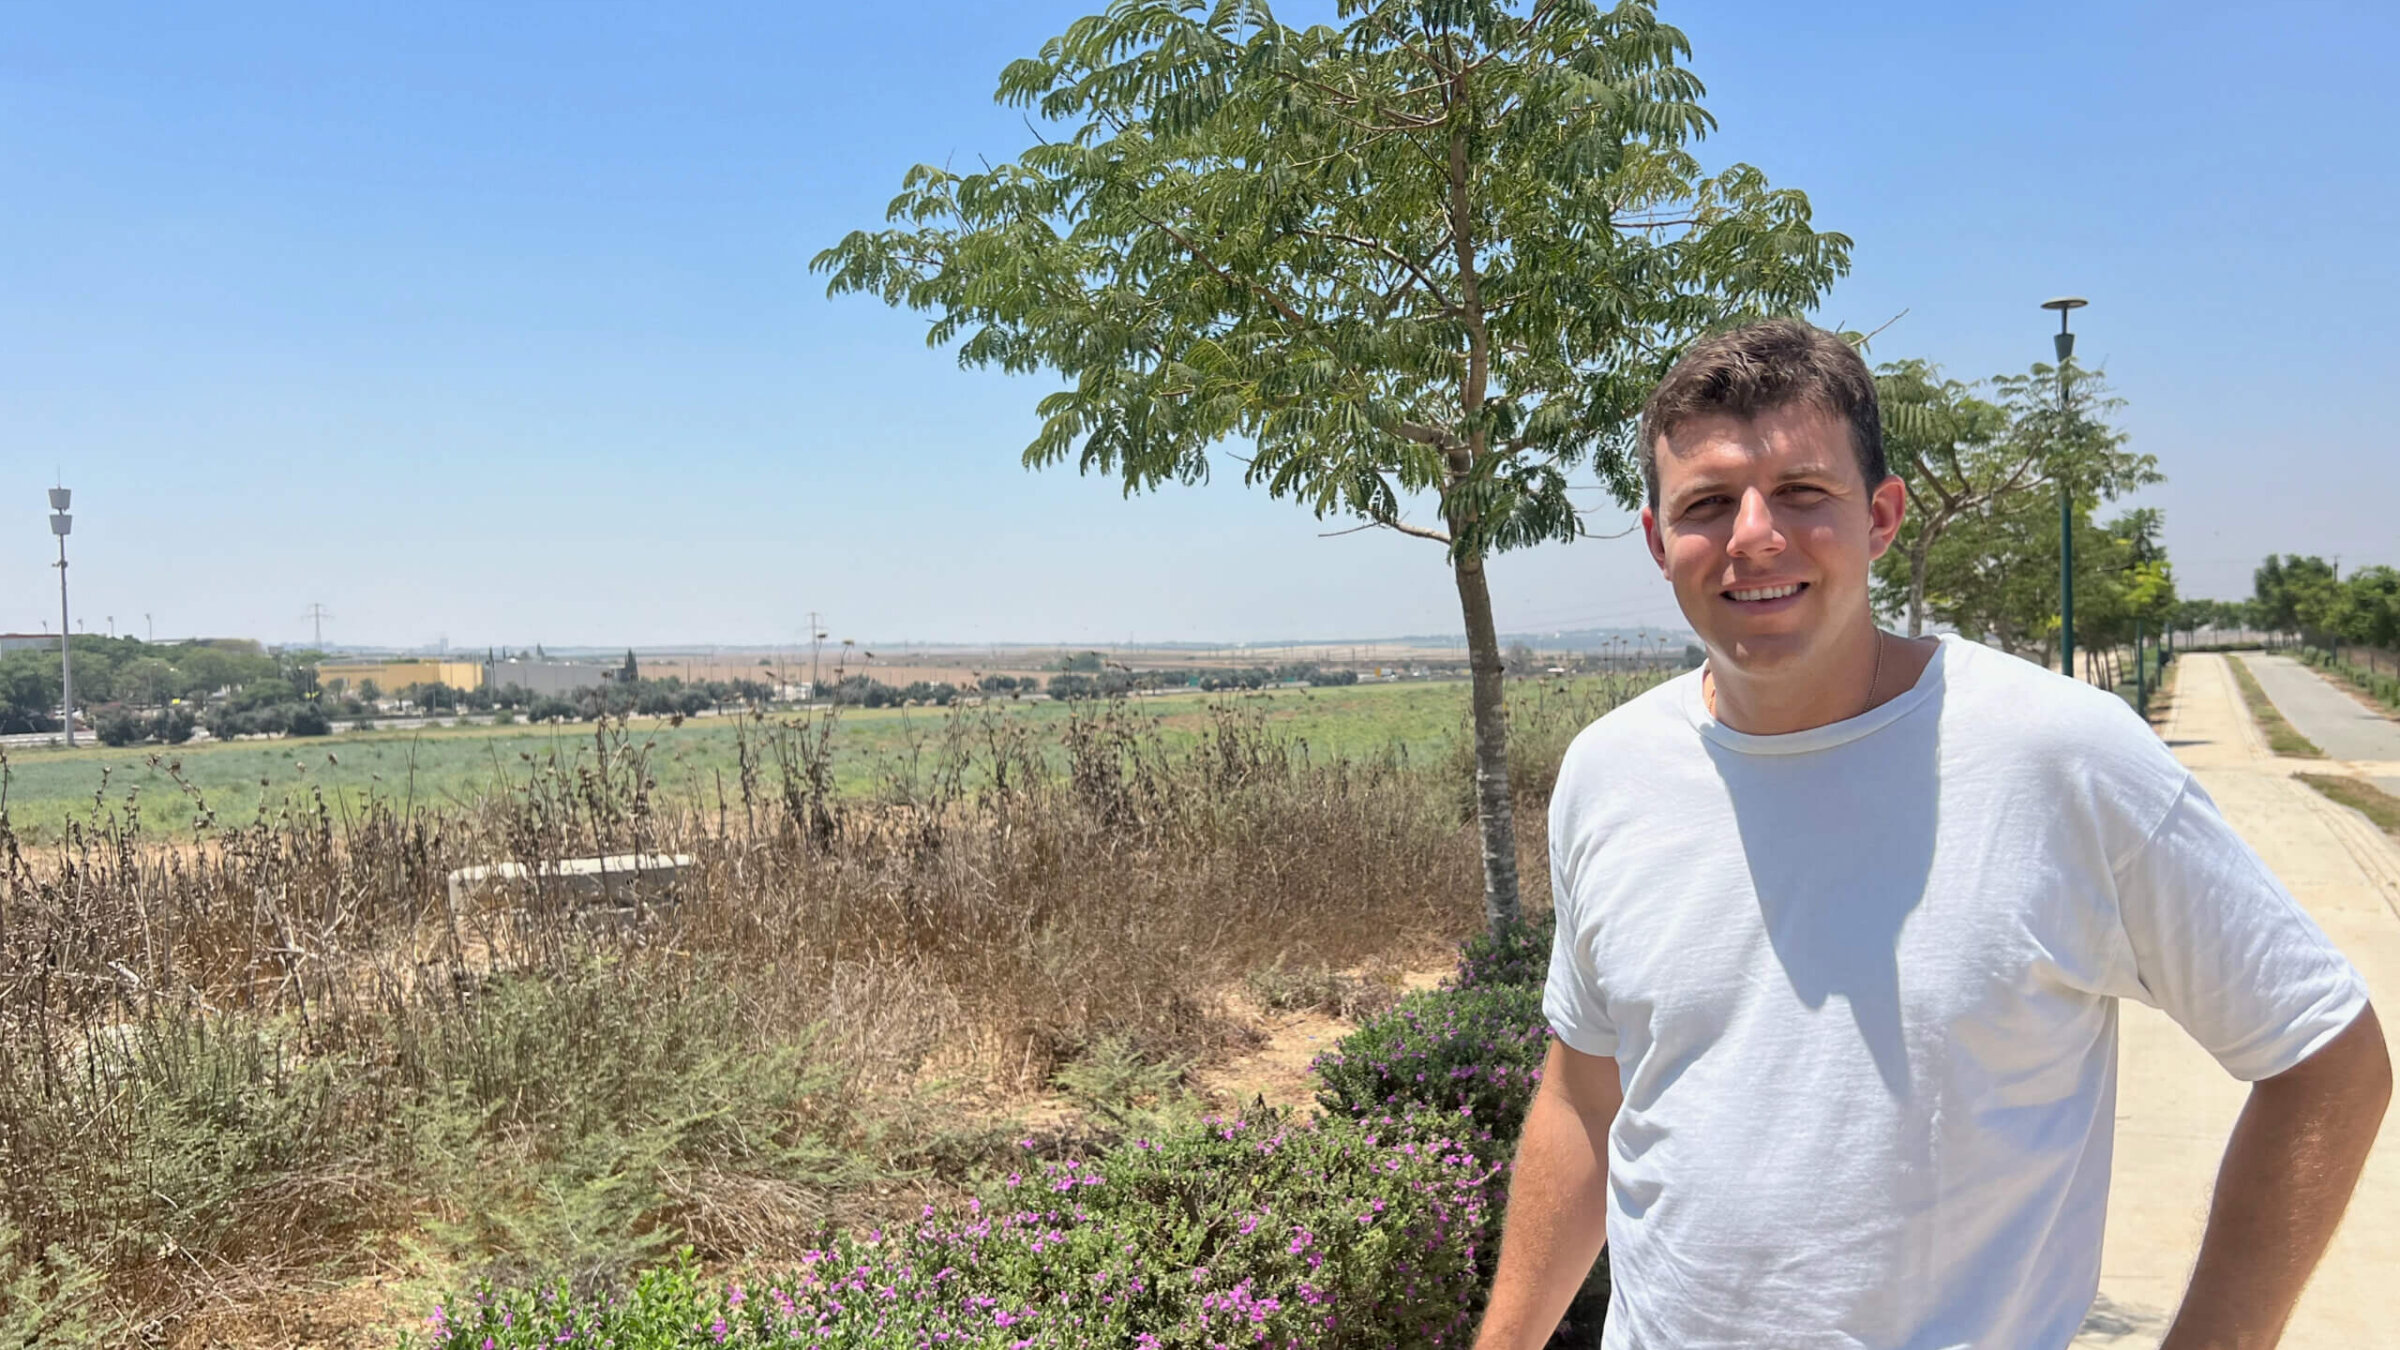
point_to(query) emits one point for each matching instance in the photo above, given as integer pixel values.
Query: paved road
(2341, 727)
(2175, 1107)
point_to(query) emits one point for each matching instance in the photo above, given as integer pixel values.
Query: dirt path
(1275, 1070)
(2175, 1107)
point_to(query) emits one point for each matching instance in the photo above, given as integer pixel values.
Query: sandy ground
(2367, 743)
(2175, 1106)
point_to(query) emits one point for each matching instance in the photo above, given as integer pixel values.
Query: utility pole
(60, 524)
(149, 629)
(816, 641)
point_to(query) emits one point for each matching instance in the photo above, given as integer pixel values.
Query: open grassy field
(693, 762)
(271, 1084)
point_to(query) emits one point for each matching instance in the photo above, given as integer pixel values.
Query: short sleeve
(1571, 999)
(2220, 946)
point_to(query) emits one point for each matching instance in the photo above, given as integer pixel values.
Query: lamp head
(59, 497)
(2064, 341)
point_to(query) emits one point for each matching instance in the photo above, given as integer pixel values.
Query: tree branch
(1419, 531)
(1423, 280)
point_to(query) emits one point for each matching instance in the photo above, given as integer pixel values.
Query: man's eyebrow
(1813, 470)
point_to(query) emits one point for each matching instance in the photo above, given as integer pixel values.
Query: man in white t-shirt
(1843, 923)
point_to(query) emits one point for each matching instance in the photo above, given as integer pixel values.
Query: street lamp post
(2064, 342)
(61, 524)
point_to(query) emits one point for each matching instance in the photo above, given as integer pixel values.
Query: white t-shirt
(1861, 985)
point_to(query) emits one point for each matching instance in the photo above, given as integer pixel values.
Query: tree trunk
(1495, 813)
(1916, 583)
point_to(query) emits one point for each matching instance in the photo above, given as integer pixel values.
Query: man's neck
(1849, 678)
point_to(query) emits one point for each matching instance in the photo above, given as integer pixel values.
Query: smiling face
(1766, 528)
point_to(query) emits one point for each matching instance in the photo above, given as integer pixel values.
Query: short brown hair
(1758, 368)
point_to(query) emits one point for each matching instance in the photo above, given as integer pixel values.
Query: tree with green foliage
(1979, 550)
(2370, 608)
(1430, 261)
(1953, 450)
(28, 692)
(2296, 594)
(2125, 585)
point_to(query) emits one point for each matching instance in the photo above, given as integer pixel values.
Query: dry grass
(2281, 737)
(243, 1067)
(2360, 795)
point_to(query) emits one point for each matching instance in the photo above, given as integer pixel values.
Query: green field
(453, 765)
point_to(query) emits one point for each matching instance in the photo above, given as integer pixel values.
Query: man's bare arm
(1557, 1200)
(2295, 1155)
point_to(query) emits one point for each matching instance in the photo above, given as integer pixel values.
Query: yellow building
(390, 677)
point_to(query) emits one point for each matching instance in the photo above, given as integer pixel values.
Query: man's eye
(1807, 492)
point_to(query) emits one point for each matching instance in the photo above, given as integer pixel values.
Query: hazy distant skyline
(496, 325)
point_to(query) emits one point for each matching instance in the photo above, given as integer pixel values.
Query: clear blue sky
(494, 322)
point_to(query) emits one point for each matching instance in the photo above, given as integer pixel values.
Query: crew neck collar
(1929, 682)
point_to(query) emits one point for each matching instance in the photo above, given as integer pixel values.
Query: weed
(2281, 738)
(2364, 797)
(268, 1045)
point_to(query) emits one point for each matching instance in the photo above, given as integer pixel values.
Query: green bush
(1516, 954)
(1339, 1234)
(46, 1298)
(174, 726)
(120, 727)
(2383, 688)
(1472, 1051)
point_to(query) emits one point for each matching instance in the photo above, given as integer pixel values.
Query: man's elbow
(2355, 1067)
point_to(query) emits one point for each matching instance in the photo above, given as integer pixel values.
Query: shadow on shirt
(1839, 844)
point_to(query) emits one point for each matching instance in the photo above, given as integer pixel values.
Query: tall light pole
(61, 524)
(2064, 342)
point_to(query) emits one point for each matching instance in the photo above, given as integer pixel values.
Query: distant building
(21, 642)
(390, 677)
(553, 678)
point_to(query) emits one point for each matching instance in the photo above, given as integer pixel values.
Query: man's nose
(1754, 532)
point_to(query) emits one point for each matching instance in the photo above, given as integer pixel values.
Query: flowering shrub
(1266, 1232)
(1479, 1050)
(1515, 954)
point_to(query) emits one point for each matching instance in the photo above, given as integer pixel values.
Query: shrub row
(121, 726)
(2383, 688)
(1270, 1232)
(1376, 1224)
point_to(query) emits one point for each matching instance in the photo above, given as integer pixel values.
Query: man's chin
(1761, 651)
(1763, 656)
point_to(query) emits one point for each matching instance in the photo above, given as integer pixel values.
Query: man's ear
(1650, 536)
(1887, 506)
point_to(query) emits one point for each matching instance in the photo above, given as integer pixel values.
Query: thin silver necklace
(1874, 681)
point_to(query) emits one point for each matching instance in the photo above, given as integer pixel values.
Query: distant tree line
(2308, 596)
(130, 688)
(1117, 681)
